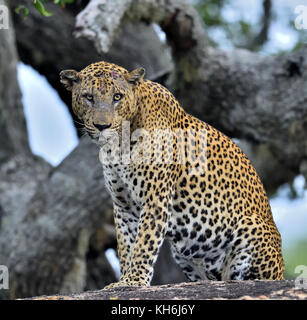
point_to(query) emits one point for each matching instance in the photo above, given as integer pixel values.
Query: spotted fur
(217, 218)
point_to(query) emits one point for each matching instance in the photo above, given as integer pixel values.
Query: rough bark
(48, 238)
(13, 137)
(244, 94)
(204, 290)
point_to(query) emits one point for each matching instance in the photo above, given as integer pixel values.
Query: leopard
(173, 176)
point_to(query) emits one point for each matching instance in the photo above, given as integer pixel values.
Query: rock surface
(204, 290)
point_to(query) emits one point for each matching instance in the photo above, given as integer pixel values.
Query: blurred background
(264, 27)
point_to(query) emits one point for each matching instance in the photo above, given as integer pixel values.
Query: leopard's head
(103, 95)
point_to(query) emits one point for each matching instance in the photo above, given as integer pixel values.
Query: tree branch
(262, 37)
(244, 94)
(48, 45)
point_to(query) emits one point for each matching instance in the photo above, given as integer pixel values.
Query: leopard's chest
(120, 182)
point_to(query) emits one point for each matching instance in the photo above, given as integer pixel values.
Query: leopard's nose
(101, 127)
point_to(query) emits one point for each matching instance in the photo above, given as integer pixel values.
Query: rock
(203, 290)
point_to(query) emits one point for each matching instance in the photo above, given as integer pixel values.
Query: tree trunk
(48, 238)
(13, 137)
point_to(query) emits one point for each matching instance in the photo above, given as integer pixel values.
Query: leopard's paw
(125, 283)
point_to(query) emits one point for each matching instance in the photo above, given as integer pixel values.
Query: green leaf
(63, 2)
(41, 9)
(245, 27)
(25, 11)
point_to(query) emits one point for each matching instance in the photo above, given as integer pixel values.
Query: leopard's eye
(117, 96)
(88, 97)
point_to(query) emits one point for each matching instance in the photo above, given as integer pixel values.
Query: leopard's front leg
(151, 231)
(126, 224)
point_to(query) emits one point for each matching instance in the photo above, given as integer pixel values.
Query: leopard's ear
(68, 78)
(136, 76)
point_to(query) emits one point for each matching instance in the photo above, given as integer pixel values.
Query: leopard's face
(103, 95)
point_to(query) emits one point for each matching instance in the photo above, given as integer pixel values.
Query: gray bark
(13, 137)
(48, 238)
(244, 94)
